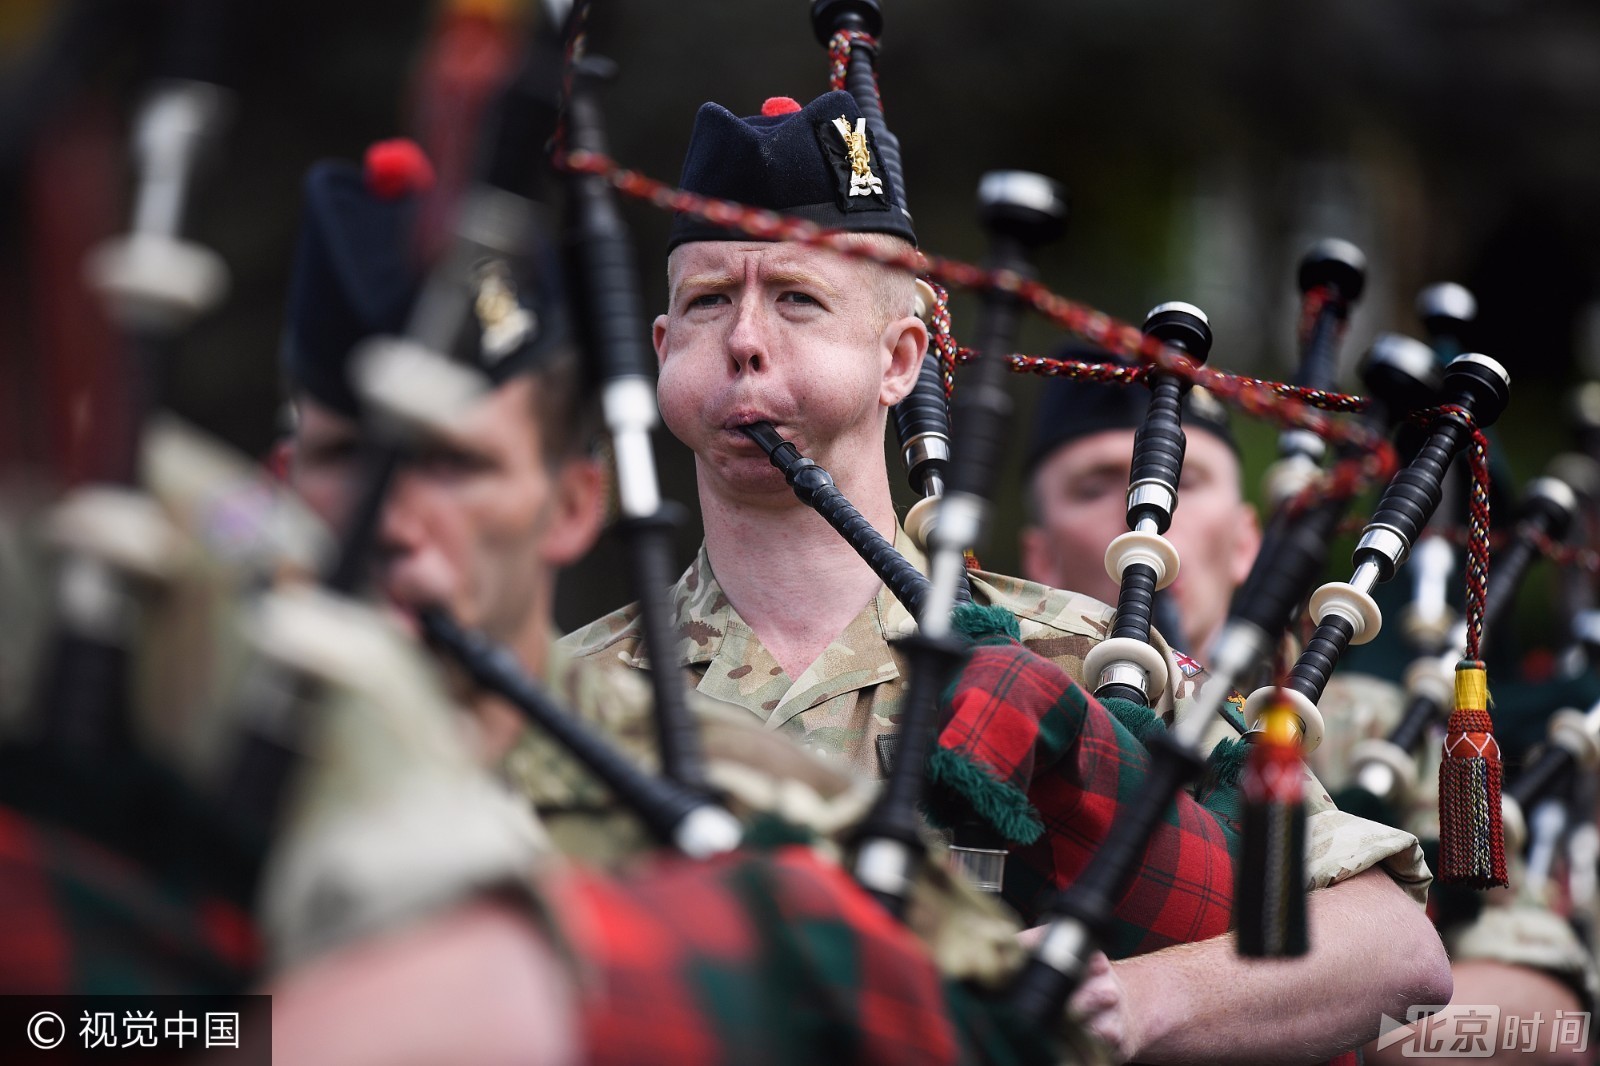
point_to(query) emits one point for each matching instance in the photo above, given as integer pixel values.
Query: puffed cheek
(674, 399)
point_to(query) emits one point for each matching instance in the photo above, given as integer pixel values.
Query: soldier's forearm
(1372, 951)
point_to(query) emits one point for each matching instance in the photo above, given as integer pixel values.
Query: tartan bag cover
(770, 956)
(1029, 732)
(82, 919)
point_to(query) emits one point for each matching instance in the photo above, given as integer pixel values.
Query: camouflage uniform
(1516, 927)
(847, 704)
(583, 817)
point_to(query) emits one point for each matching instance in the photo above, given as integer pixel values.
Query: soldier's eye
(709, 299)
(1096, 487)
(450, 463)
(797, 298)
(330, 452)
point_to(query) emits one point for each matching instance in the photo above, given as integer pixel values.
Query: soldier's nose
(747, 344)
(400, 524)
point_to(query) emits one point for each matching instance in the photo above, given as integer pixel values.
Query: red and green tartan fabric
(81, 919)
(764, 956)
(1020, 732)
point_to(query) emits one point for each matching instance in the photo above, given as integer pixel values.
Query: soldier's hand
(1101, 1005)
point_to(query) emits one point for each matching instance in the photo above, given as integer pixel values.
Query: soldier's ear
(577, 511)
(658, 336)
(280, 459)
(905, 340)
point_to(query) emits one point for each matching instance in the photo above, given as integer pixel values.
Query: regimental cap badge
(863, 182)
(505, 323)
(851, 153)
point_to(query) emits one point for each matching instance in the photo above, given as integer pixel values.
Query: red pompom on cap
(397, 168)
(779, 105)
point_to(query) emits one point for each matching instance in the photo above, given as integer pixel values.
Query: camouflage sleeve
(1528, 934)
(758, 770)
(1342, 845)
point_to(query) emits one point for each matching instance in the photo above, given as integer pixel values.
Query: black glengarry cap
(1069, 410)
(356, 276)
(818, 162)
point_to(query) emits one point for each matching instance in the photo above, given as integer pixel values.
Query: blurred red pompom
(396, 168)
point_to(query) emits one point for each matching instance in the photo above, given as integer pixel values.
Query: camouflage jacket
(846, 705)
(756, 770)
(849, 699)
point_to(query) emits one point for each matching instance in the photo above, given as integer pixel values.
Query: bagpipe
(1385, 770)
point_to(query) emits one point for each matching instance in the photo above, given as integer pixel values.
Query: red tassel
(1472, 849)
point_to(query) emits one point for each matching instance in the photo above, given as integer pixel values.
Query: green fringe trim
(1136, 718)
(976, 622)
(1224, 765)
(767, 832)
(1000, 803)
(1226, 762)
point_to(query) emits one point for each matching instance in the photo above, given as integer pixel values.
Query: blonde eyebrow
(710, 279)
(800, 277)
(718, 280)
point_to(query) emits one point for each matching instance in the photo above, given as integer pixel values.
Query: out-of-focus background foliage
(1204, 147)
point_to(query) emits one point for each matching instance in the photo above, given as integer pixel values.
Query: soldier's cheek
(679, 402)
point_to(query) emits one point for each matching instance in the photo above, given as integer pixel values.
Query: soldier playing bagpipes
(1508, 951)
(777, 332)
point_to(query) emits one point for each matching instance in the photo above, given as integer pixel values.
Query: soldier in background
(1076, 484)
(1516, 953)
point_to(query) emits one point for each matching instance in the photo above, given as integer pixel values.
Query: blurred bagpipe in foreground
(256, 739)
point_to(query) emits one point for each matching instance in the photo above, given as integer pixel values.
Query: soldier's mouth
(743, 432)
(403, 616)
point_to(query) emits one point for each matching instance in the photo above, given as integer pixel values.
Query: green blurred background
(1204, 148)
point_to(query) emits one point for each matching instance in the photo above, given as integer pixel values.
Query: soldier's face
(781, 333)
(1081, 491)
(478, 523)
